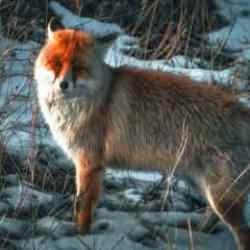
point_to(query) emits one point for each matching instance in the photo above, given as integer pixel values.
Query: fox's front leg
(88, 189)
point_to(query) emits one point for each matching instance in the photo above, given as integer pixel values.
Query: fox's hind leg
(230, 210)
(226, 190)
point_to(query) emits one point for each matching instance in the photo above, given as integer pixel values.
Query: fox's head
(70, 66)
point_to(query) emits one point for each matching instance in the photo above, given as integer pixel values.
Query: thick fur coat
(146, 119)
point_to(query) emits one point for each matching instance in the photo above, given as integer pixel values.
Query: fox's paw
(82, 215)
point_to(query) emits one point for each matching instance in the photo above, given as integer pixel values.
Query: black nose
(64, 85)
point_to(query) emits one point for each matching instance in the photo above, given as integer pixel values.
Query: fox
(127, 117)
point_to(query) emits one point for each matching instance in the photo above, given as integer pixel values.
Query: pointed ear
(49, 30)
(104, 43)
(53, 25)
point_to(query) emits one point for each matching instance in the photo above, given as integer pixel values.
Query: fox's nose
(64, 85)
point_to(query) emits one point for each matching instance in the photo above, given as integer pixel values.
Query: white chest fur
(67, 114)
(65, 119)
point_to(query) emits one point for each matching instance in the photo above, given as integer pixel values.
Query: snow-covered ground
(16, 93)
(235, 36)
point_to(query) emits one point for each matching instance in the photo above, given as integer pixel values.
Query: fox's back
(157, 111)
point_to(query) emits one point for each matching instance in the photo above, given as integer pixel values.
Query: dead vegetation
(165, 28)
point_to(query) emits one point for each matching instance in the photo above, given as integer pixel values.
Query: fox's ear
(50, 31)
(53, 25)
(104, 43)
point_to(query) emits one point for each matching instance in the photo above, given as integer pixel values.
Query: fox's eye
(80, 69)
(57, 63)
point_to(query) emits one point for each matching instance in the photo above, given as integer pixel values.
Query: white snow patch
(133, 195)
(236, 36)
(183, 62)
(139, 175)
(24, 197)
(245, 100)
(233, 8)
(16, 94)
(116, 59)
(246, 54)
(96, 28)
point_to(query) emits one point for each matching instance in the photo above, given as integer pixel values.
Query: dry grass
(165, 28)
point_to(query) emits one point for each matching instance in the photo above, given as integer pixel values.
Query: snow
(133, 195)
(23, 197)
(180, 61)
(233, 8)
(245, 100)
(236, 36)
(224, 77)
(116, 59)
(177, 65)
(16, 93)
(246, 55)
(96, 28)
(139, 175)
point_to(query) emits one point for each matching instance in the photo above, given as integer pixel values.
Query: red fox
(124, 116)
